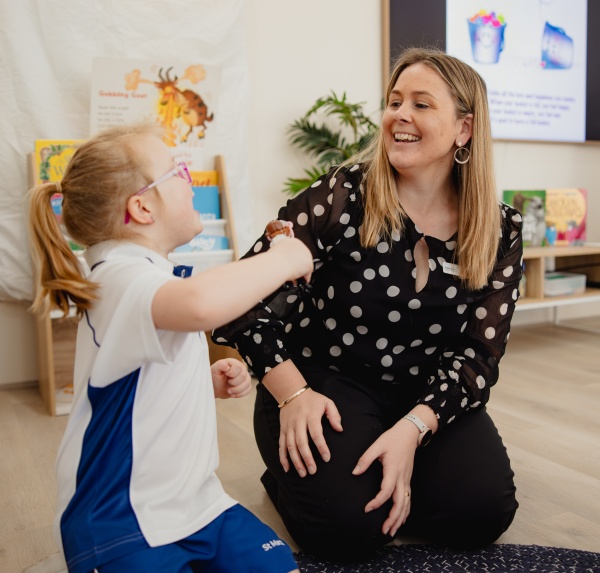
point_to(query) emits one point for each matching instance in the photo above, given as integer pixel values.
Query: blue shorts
(235, 541)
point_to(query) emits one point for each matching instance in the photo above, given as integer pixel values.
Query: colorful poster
(180, 96)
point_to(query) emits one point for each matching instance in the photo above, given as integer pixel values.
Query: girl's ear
(466, 129)
(138, 210)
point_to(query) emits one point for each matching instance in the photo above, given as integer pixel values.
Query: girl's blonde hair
(479, 213)
(102, 174)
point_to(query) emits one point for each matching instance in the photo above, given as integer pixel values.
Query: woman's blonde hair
(102, 174)
(479, 213)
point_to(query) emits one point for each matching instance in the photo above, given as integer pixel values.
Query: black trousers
(462, 486)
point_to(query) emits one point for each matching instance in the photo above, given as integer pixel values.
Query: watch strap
(425, 432)
(417, 422)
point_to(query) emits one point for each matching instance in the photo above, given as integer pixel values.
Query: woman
(399, 334)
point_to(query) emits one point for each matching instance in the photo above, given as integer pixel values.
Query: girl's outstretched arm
(215, 297)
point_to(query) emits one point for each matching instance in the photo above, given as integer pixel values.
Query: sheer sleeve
(467, 370)
(319, 216)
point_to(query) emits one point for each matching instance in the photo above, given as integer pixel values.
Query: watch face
(426, 437)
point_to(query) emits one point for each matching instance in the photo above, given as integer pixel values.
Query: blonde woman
(370, 414)
(137, 489)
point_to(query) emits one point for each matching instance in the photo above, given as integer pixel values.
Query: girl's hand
(395, 449)
(300, 419)
(230, 378)
(295, 256)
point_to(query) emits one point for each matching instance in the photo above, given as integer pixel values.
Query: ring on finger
(406, 494)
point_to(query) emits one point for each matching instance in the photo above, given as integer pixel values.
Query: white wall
(299, 51)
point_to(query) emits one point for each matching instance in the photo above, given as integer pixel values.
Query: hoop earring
(456, 156)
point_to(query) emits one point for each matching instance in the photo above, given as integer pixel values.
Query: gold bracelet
(293, 397)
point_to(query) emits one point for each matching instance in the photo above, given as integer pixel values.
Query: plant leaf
(325, 144)
(313, 139)
(348, 114)
(295, 185)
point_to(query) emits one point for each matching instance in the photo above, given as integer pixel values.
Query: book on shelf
(204, 178)
(566, 213)
(532, 206)
(212, 238)
(206, 202)
(204, 242)
(63, 399)
(50, 159)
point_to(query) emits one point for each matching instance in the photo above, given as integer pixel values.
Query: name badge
(451, 269)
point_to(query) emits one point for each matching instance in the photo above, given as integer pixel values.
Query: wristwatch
(426, 433)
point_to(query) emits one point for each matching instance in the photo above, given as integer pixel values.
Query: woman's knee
(478, 531)
(338, 528)
(473, 525)
(346, 537)
(492, 519)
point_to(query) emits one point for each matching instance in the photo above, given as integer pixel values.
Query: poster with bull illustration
(182, 97)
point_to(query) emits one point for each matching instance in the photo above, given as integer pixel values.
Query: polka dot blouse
(362, 316)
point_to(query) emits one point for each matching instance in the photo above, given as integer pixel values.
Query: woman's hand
(300, 419)
(395, 449)
(230, 378)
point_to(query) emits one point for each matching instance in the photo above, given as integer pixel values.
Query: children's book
(206, 202)
(532, 206)
(204, 242)
(212, 238)
(566, 211)
(64, 399)
(204, 178)
(51, 157)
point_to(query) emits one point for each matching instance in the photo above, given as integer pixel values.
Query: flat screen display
(540, 62)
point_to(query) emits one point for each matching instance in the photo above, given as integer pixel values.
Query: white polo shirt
(136, 466)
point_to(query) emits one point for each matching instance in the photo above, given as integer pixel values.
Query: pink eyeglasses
(180, 170)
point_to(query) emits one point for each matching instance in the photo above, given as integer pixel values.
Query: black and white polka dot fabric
(363, 316)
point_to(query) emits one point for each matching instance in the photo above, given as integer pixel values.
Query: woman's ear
(466, 129)
(138, 210)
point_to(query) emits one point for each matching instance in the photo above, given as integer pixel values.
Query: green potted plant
(330, 132)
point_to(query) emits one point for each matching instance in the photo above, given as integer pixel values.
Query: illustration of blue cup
(487, 41)
(557, 49)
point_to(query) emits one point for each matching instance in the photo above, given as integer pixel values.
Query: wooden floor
(546, 405)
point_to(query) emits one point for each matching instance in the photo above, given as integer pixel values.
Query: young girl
(137, 489)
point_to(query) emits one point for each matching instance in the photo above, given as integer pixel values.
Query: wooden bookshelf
(577, 259)
(56, 335)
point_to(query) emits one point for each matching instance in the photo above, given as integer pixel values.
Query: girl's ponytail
(60, 279)
(102, 174)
